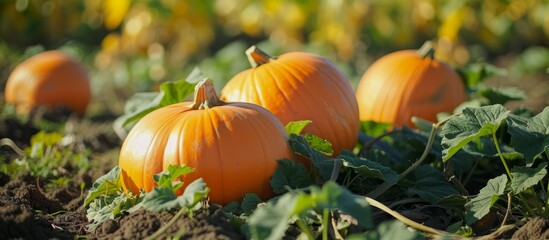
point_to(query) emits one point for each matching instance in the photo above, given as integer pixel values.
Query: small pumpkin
(408, 83)
(49, 79)
(300, 86)
(234, 147)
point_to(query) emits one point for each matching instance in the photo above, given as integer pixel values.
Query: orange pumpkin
(408, 83)
(49, 79)
(234, 147)
(300, 86)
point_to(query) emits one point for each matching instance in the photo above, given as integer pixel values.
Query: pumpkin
(408, 83)
(300, 86)
(49, 79)
(234, 147)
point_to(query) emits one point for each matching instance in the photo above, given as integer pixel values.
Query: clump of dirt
(535, 228)
(208, 223)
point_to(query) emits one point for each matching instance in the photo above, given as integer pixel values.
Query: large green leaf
(431, 185)
(472, 124)
(389, 230)
(141, 104)
(271, 220)
(475, 73)
(104, 185)
(525, 177)
(531, 137)
(163, 199)
(319, 160)
(501, 95)
(290, 174)
(479, 206)
(370, 169)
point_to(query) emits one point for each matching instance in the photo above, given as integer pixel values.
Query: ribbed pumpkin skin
(404, 84)
(233, 147)
(49, 79)
(302, 86)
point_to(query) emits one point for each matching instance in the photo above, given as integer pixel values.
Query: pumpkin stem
(205, 96)
(257, 57)
(427, 50)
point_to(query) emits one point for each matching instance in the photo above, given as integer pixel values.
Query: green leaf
(472, 124)
(159, 199)
(290, 174)
(320, 144)
(165, 178)
(431, 185)
(297, 126)
(48, 139)
(370, 169)
(320, 161)
(389, 230)
(530, 137)
(270, 221)
(106, 207)
(501, 95)
(250, 202)
(104, 185)
(372, 128)
(141, 104)
(475, 73)
(164, 199)
(479, 206)
(525, 177)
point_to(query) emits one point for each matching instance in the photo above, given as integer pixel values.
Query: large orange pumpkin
(408, 83)
(300, 86)
(234, 147)
(49, 79)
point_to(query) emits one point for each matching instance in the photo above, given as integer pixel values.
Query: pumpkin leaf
(389, 230)
(164, 199)
(530, 137)
(370, 169)
(475, 73)
(106, 207)
(431, 185)
(320, 161)
(372, 128)
(105, 185)
(525, 177)
(297, 126)
(472, 124)
(250, 202)
(141, 104)
(320, 144)
(165, 178)
(479, 206)
(291, 174)
(271, 220)
(501, 95)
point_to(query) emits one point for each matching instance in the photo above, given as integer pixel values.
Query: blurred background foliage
(133, 45)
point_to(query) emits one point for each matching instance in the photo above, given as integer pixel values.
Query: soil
(535, 228)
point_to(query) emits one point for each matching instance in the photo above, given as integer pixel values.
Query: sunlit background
(133, 45)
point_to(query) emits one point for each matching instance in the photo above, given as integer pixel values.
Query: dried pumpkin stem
(427, 50)
(257, 57)
(205, 96)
